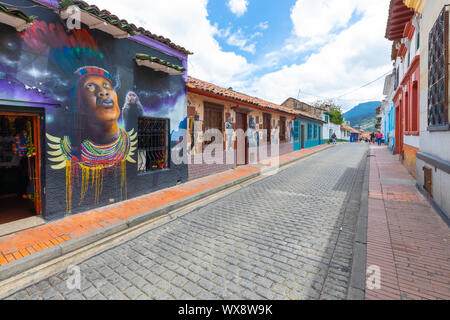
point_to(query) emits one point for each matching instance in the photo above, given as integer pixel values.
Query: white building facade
(433, 160)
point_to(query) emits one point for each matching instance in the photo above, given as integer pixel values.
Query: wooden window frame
(310, 132)
(218, 108)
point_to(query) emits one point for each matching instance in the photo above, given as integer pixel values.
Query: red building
(403, 30)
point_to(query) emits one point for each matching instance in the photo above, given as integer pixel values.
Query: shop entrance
(242, 140)
(20, 165)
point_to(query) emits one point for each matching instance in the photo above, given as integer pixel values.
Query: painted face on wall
(132, 97)
(99, 99)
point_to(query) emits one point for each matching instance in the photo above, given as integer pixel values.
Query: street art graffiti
(103, 143)
(131, 110)
(93, 94)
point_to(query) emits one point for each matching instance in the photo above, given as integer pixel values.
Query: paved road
(288, 236)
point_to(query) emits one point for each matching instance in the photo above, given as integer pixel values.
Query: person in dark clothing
(334, 138)
(131, 111)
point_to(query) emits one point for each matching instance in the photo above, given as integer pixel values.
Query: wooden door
(242, 140)
(267, 120)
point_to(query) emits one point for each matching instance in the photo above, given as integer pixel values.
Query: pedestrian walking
(379, 137)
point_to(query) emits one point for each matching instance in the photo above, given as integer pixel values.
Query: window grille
(438, 74)
(153, 144)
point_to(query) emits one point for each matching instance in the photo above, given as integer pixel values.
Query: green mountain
(363, 115)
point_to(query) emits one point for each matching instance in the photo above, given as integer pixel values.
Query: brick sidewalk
(24, 243)
(406, 238)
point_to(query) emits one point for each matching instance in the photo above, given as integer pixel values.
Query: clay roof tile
(95, 10)
(231, 94)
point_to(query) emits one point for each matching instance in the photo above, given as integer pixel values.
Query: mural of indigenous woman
(98, 142)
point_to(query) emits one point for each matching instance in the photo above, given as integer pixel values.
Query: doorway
(296, 135)
(302, 136)
(242, 139)
(20, 165)
(399, 129)
(267, 120)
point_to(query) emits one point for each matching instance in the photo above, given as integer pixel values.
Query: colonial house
(329, 128)
(261, 122)
(433, 159)
(91, 107)
(404, 31)
(311, 133)
(296, 104)
(346, 132)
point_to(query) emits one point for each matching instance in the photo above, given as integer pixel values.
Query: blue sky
(268, 21)
(275, 49)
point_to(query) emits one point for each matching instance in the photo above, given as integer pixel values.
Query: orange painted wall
(409, 160)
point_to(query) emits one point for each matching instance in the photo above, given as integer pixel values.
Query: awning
(158, 64)
(15, 18)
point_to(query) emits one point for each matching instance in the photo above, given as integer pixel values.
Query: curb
(357, 283)
(19, 266)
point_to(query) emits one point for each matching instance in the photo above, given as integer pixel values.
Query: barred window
(438, 74)
(153, 144)
(310, 131)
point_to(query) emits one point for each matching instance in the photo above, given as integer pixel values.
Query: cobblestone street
(288, 236)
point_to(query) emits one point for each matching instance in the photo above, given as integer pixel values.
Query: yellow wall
(417, 5)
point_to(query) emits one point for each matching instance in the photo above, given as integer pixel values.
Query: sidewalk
(16, 246)
(406, 238)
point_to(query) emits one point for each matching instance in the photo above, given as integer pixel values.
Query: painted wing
(133, 142)
(60, 151)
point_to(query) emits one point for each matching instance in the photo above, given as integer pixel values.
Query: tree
(333, 109)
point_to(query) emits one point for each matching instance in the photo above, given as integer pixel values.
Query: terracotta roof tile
(121, 23)
(16, 13)
(351, 129)
(194, 83)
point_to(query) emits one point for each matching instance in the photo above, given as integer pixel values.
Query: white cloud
(356, 55)
(238, 39)
(185, 23)
(263, 25)
(238, 7)
(319, 17)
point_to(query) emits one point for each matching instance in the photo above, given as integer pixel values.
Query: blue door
(296, 135)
